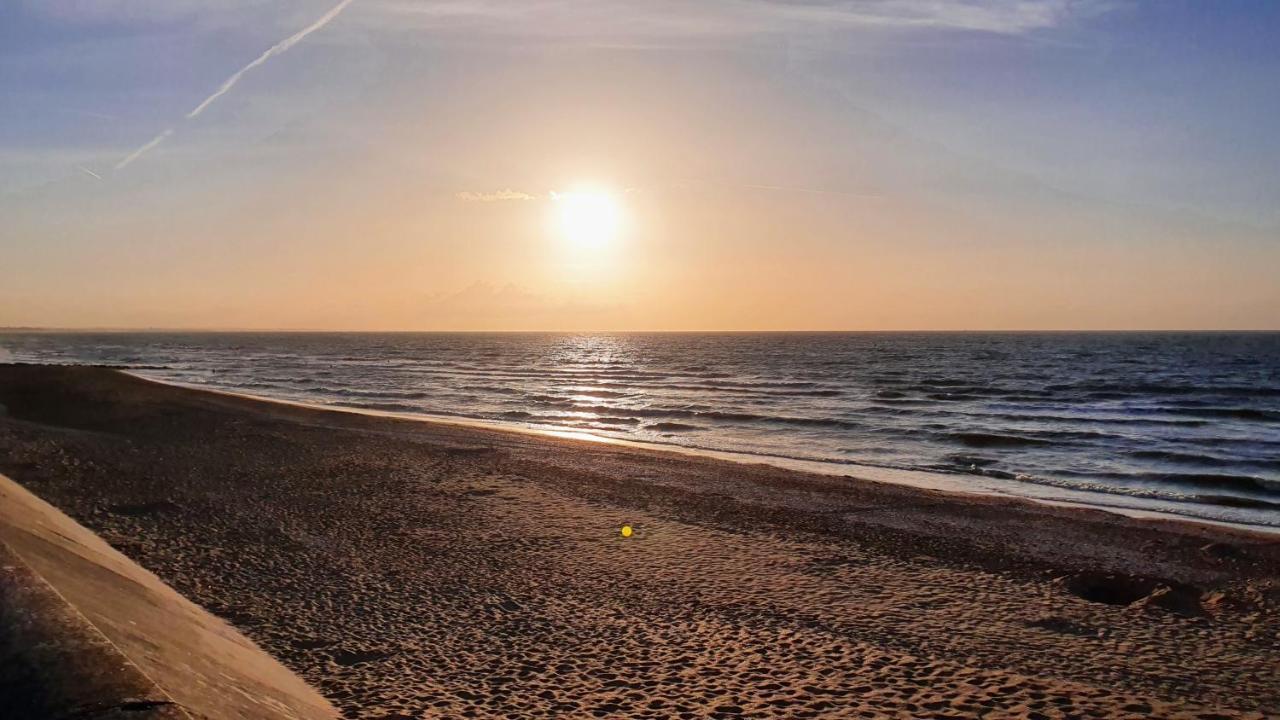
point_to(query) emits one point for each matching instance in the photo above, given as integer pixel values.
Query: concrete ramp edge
(88, 634)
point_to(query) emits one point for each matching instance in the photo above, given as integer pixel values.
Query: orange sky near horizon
(685, 258)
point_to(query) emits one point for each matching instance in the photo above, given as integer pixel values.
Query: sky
(759, 164)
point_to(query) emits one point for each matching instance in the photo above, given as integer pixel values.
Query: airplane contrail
(88, 172)
(138, 153)
(274, 50)
(230, 82)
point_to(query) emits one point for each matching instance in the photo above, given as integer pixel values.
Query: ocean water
(1185, 423)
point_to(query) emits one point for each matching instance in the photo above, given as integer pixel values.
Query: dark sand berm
(411, 569)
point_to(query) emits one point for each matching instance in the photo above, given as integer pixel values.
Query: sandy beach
(412, 569)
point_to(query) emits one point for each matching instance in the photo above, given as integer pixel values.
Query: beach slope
(414, 569)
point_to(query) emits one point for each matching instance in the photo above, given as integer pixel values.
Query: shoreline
(942, 482)
(408, 568)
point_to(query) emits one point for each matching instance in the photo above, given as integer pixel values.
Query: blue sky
(1146, 126)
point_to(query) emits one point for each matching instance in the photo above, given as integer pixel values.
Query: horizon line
(320, 331)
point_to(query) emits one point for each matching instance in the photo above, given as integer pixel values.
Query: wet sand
(413, 569)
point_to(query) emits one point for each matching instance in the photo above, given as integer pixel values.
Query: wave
(1213, 480)
(672, 427)
(1150, 389)
(382, 394)
(1098, 419)
(1252, 414)
(994, 440)
(1237, 501)
(1180, 457)
(724, 416)
(598, 392)
(614, 420)
(952, 397)
(968, 461)
(394, 407)
(1107, 486)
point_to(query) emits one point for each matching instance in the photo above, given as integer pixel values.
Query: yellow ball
(626, 531)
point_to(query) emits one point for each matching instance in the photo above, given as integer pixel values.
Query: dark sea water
(1184, 423)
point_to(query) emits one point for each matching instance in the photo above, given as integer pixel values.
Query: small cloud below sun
(585, 216)
(497, 196)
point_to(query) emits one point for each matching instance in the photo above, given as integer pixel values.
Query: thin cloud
(599, 19)
(499, 196)
(811, 190)
(1010, 17)
(692, 183)
(230, 82)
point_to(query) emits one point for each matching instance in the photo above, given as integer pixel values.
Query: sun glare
(588, 218)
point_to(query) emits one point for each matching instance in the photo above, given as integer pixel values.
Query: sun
(588, 218)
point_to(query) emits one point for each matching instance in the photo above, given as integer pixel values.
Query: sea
(1184, 424)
